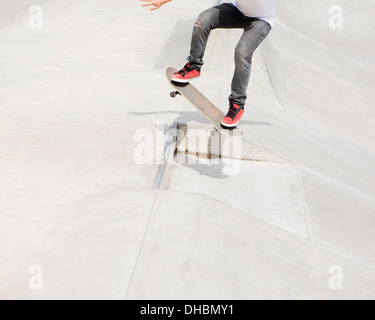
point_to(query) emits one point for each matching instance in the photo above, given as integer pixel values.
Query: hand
(155, 4)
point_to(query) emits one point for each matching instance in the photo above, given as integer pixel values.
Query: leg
(255, 32)
(222, 16)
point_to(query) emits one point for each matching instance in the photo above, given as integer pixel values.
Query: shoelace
(185, 70)
(232, 112)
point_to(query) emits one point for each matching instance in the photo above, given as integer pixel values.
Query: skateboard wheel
(213, 132)
(174, 94)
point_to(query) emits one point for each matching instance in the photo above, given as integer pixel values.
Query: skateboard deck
(201, 103)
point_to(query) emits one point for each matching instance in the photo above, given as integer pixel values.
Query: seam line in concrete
(141, 246)
(303, 199)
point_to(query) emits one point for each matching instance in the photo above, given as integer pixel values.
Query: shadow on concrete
(215, 171)
(140, 114)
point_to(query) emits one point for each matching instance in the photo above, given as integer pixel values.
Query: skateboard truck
(174, 94)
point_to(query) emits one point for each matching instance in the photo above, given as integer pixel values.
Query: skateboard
(201, 103)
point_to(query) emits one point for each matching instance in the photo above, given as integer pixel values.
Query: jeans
(228, 16)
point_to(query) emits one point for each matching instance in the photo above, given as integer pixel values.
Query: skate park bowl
(82, 218)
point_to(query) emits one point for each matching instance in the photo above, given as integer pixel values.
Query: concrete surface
(78, 100)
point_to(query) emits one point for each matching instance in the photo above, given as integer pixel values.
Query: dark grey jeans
(228, 16)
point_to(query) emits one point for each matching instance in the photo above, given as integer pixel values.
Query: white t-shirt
(261, 9)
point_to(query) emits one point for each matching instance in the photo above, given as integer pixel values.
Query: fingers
(148, 3)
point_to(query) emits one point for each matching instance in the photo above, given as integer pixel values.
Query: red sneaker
(233, 116)
(186, 73)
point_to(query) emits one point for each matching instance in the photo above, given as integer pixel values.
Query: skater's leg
(222, 16)
(255, 32)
